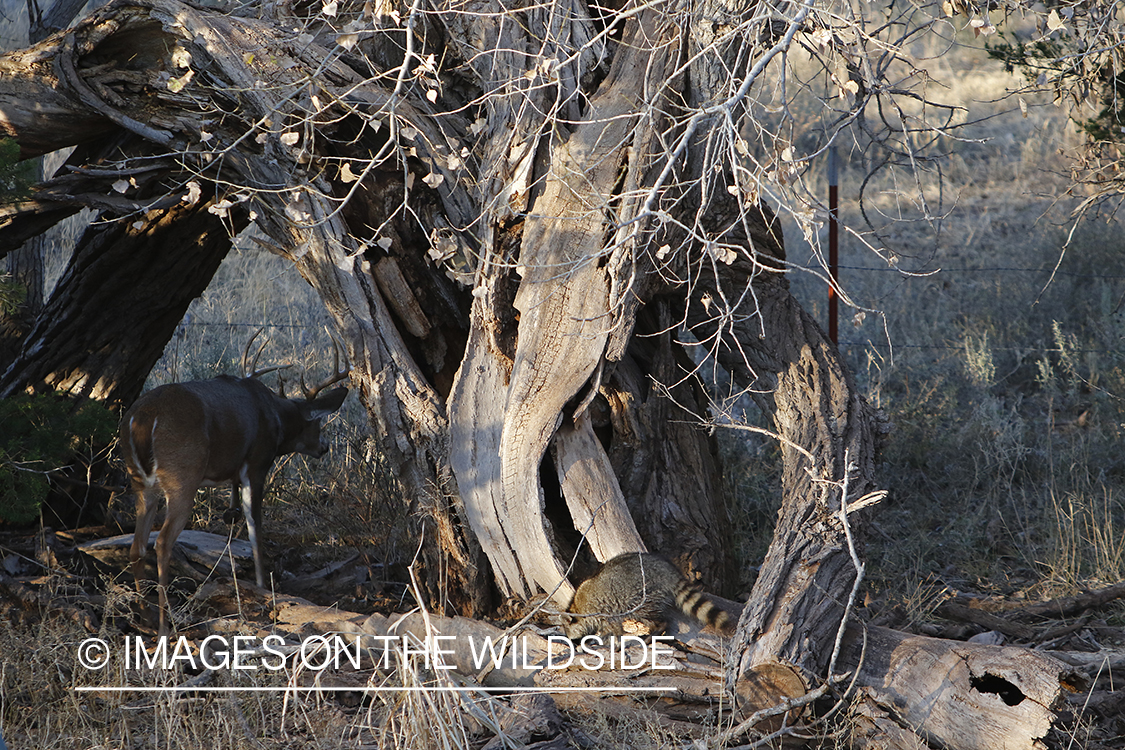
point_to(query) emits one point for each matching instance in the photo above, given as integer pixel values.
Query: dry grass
(1002, 368)
(42, 709)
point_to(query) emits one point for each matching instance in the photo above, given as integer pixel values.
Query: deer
(177, 438)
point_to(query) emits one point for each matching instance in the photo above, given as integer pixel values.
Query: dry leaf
(181, 58)
(121, 186)
(220, 209)
(329, 8)
(722, 253)
(346, 174)
(432, 95)
(1054, 21)
(296, 209)
(176, 85)
(384, 242)
(433, 179)
(408, 133)
(347, 41)
(193, 193)
(290, 138)
(982, 26)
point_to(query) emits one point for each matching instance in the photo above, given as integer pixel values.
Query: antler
(248, 367)
(336, 376)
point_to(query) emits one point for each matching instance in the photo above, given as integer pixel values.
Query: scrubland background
(992, 336)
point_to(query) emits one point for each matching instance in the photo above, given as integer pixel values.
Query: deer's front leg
(251, 487)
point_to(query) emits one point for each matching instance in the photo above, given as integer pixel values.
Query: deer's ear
(326, 404)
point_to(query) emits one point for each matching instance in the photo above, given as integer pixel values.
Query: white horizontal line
(335, 689)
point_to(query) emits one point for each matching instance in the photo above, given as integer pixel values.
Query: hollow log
(911, 690)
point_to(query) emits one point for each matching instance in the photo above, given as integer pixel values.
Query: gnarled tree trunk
(556, 244)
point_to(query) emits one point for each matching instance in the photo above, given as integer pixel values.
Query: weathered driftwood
(957, 611)
(1011, 618)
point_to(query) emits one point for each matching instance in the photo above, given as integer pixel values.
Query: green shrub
(16, 177)
(39, 435)
(12, 294)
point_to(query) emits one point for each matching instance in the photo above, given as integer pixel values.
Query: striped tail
(695, 604)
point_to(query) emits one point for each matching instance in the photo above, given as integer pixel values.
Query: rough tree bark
(27, 264)
(113, 310)
(517, 217)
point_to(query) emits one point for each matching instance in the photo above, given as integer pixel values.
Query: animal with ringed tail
(638, 590)
(180, 437)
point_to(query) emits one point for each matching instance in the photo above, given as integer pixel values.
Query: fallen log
(197, 554)
(1064, 606)
(956, 694)
(909, 690)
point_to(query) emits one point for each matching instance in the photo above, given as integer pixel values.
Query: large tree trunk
(555, 294)
(27, 264)
(115, 307)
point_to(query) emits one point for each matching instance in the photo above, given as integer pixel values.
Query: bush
(41, 435)
(12, 294)
(16, 177)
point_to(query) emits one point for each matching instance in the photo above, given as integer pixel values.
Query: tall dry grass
(995, 345)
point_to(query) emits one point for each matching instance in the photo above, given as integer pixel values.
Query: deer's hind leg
(148, 497)
(180, 492)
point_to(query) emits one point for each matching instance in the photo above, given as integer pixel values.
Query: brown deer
(183, 436)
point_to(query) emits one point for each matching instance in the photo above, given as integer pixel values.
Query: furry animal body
(634, 593)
